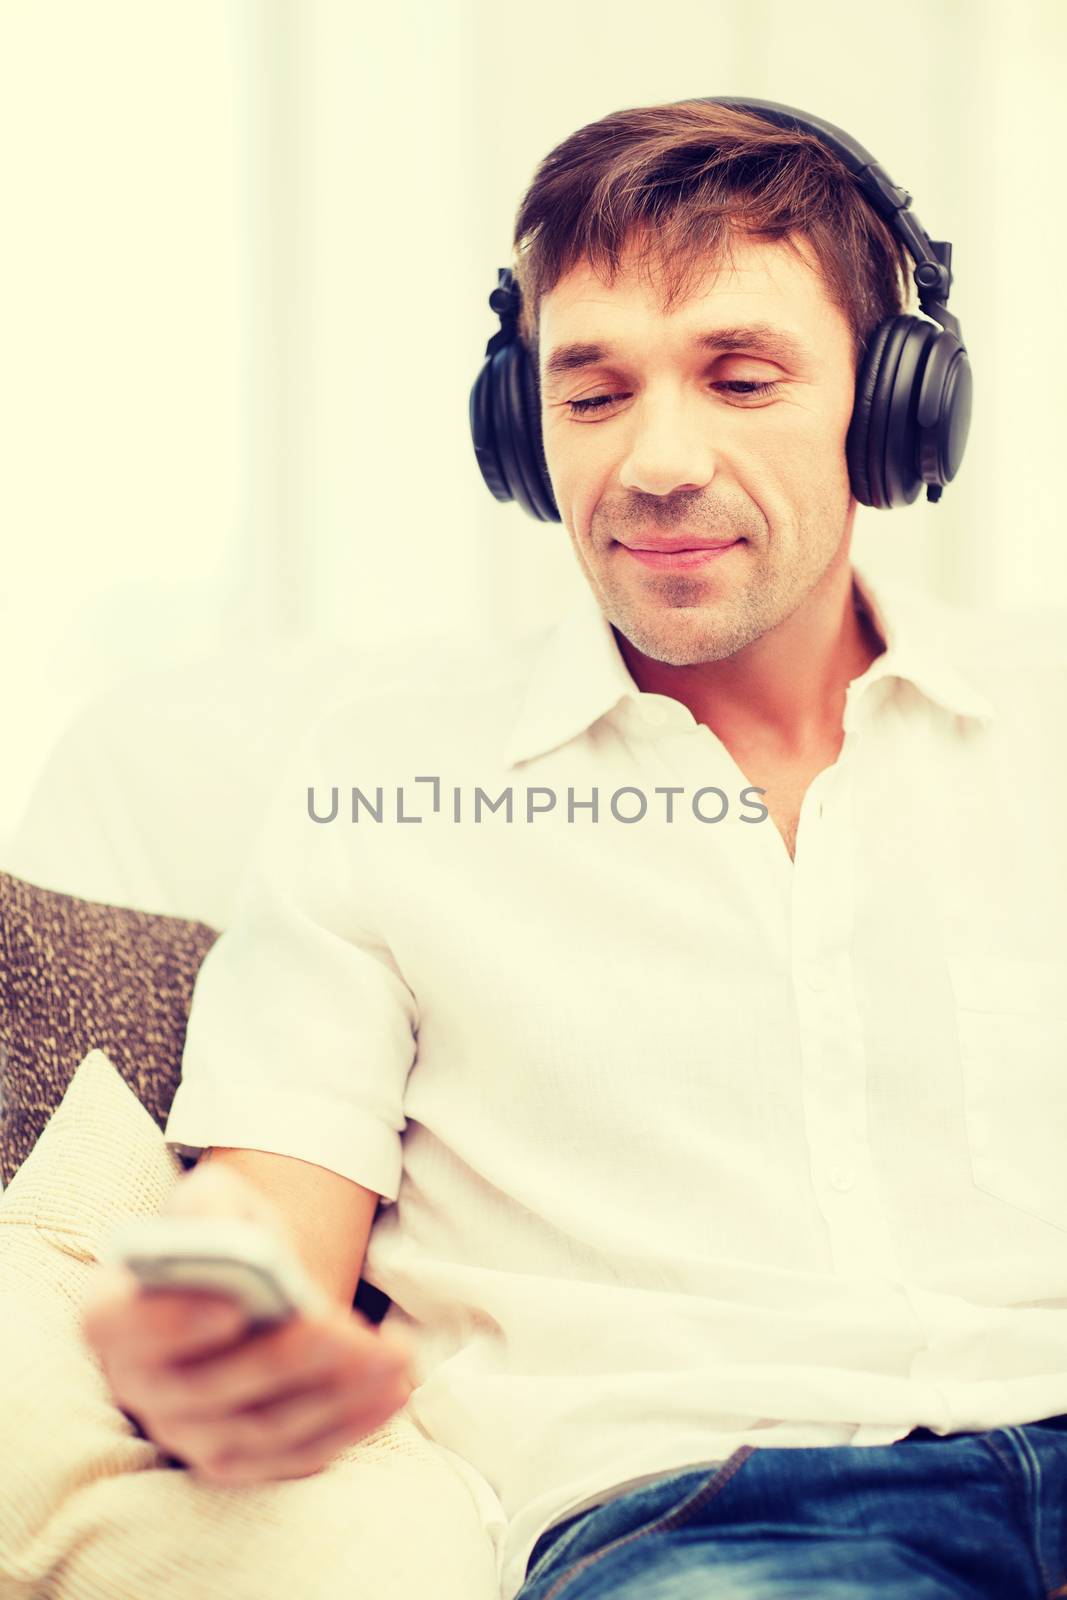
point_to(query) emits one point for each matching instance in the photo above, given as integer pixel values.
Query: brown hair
(684, 178)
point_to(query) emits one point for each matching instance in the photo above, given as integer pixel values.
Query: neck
(785, 692)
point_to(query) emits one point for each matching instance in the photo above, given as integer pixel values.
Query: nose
(669, 447)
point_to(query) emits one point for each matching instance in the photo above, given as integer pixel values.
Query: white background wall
(246, 254)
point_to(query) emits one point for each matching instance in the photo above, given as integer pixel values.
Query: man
(703, 1040)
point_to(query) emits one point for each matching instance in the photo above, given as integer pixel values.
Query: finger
(130, 1323)
(290, 1423)
(112, 1291)
(274, 1362)
(302, 1460)
(263, 1366)
(197, 1423)
(188, 1326)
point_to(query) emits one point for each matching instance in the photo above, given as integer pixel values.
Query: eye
(741, 388)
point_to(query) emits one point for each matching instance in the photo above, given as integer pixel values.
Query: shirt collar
(579, 674)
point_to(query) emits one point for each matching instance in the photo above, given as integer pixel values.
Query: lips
(684, 560)
(672, 546)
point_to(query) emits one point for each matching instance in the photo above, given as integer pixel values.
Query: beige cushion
(89, 1511)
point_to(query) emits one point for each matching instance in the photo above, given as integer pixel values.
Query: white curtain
(247, 253)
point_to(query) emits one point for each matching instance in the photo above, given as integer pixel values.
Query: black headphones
(913, 385)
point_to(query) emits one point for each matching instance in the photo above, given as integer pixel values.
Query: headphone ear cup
(944, 414)
(863, 450)
(510, 388)
(503, 394)
(483, 433)
(912, 342)
(498, 426)
(538, 466)
(505, 416)
(911, 413)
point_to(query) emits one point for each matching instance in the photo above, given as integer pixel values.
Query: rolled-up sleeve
(302, 1030)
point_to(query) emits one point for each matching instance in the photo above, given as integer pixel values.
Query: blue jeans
(966, 1516)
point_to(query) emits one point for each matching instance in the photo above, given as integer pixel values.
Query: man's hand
(239, 1407)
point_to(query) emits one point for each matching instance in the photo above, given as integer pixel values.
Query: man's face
(685, 446)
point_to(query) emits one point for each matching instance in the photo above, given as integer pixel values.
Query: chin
(685, 637)
(675, 647)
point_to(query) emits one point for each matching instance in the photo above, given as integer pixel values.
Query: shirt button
(842, 1178)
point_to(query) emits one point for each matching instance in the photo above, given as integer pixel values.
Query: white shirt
(682, 1144)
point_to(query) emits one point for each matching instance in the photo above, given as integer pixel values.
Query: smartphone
(218, 1255)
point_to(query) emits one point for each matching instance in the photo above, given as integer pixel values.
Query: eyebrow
(753, 338)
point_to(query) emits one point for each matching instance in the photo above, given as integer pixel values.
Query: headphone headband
(933, 258)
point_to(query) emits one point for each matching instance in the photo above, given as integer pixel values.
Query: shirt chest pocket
(1012, 1023)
